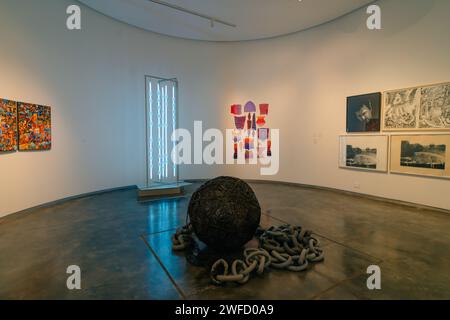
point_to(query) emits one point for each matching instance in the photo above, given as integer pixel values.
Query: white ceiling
(255, 19)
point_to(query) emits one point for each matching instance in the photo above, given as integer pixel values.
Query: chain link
(284, 247)
(182, 239)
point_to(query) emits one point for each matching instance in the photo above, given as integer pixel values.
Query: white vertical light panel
(162, 120)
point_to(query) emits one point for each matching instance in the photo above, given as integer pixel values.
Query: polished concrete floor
(123, 249)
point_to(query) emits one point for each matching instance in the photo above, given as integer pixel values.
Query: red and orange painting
(8, 125)
(34, 127)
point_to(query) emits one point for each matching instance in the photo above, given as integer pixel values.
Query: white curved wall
(94, 80)
(307, 76)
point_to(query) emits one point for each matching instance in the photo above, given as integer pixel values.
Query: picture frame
(364, 152)
(434, 112)
(421, 108)
(420, 155)
(364, 113)
(8, 126)
(34, 127)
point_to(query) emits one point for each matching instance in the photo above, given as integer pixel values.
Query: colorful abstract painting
(34, 127)
(249, 140)
(8, 126)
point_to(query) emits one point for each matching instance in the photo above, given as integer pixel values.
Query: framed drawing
(417, 109)
(364, 152)
(34, 127)
(364, 112)
(434, 112)
(425, 155)
(400, 109)
(8, 125)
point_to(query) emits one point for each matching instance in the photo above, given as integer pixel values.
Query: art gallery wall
(94, 81)
(307, 76)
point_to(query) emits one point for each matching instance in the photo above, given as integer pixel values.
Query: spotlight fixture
(195, 13)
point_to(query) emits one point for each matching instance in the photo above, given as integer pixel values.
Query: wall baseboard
(417, 206)
(351, 193)
(24, 212)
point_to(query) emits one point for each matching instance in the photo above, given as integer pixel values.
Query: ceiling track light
(212, 20)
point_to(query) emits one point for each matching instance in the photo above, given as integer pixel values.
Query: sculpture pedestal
(158, 190)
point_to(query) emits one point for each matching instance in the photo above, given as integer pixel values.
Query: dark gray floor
(116, 241)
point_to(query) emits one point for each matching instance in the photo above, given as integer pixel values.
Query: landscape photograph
(431, 156)
(361, 157)
(364, 152)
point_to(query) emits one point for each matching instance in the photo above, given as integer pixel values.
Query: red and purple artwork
(239, 122)
(250, 107)
(264, 109)
(251, 137)
(236, 109)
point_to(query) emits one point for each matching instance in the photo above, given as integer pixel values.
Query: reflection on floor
(117, 242)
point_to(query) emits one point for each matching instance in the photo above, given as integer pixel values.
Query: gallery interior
(189, 149)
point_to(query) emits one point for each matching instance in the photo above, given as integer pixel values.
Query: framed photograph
(364, 152)
(364, 112)
(417, 109)
(34, 127)
(424, 155)
(8, 126)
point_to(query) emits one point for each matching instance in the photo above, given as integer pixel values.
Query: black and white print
(435, 107)
(361, 157)
(430, 156)
(401, 109)
(364, 152)
(421, 154)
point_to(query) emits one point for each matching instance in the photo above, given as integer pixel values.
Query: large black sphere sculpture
(224, 213)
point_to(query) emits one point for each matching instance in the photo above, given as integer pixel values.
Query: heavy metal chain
(285, 247)
(182, 239)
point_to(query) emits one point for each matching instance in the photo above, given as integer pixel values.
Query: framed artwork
(364, 152)
(425, 155)
(34, 127)
(250, 136)
(364, 112)
(417, 109)
(434, 112)
(8, 125)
